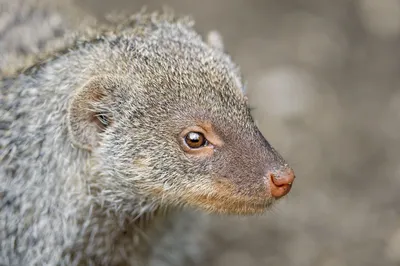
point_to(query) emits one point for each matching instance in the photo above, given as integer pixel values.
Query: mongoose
(115, 139)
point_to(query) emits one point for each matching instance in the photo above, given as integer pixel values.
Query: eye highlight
(195, 140)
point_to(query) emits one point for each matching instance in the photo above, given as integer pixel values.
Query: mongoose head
(169, 124)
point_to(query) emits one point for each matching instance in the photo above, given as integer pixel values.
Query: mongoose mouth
(226, 199)
(225, 203)
(231, 206)
(226, 196)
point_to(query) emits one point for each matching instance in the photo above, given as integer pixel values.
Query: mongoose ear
(89, 111)
(214, 39)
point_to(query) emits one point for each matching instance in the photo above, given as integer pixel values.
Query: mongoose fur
(95, 167)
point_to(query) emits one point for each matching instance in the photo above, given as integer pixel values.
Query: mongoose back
(115, 140)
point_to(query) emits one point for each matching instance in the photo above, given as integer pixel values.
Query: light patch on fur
(214, 39)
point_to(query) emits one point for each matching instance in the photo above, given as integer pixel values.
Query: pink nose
(281, 182)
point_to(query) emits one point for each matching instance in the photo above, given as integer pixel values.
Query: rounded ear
(214, 39)
(89, 112)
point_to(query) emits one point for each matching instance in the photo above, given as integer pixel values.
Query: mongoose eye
(195, 140)
(199, 140)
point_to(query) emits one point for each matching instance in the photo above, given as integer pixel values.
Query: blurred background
(323, 77)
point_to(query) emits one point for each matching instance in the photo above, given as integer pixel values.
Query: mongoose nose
(281, 182)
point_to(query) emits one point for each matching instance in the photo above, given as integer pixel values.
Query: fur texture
(73, 192)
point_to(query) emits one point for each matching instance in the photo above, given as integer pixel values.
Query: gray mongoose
(116, 138)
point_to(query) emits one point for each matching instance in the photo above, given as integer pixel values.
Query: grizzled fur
(72, 193)
(26, 27)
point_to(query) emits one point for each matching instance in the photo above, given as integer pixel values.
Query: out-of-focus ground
(324, 78)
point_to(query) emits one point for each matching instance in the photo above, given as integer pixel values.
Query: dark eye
(195, 140)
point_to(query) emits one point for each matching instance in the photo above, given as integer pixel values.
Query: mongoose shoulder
(114, 142)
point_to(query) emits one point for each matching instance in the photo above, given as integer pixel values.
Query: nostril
(281, 183)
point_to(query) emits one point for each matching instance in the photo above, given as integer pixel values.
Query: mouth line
(231, 205)
(243, 209)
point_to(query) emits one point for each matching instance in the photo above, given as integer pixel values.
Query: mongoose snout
(247, 175)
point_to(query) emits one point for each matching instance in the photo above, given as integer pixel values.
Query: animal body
(117, 138)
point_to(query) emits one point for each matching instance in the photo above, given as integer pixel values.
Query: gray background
(323, 77)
